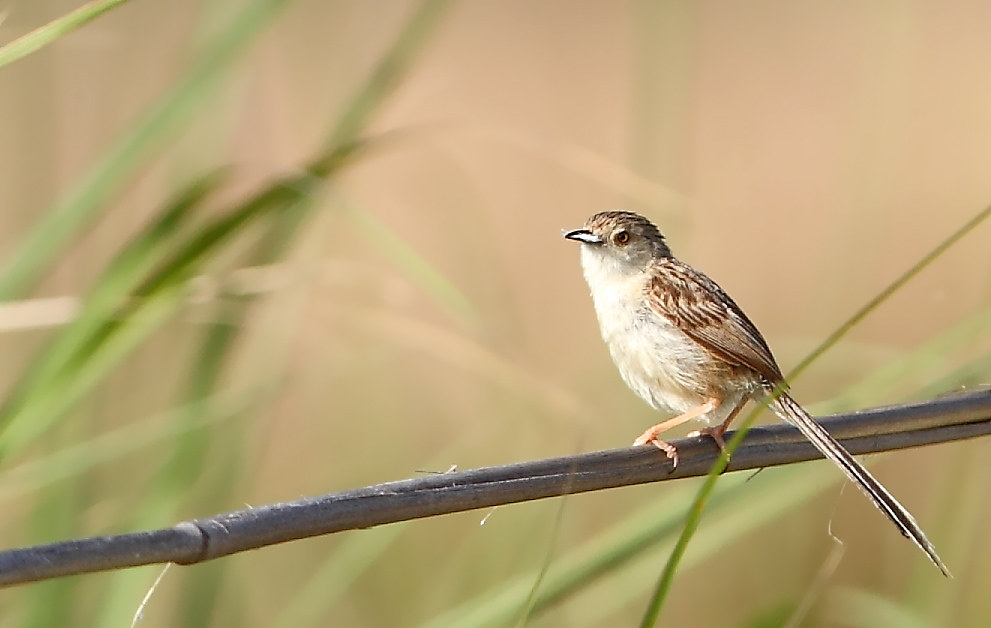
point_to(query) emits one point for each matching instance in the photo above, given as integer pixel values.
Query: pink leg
(650, 436)
(716, 433)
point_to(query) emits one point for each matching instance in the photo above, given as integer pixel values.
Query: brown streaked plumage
(683, 345)
(700, 308)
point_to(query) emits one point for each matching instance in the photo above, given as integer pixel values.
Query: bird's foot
(715, 433)
(650, 437)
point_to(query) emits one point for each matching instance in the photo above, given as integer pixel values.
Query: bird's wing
(697, 306)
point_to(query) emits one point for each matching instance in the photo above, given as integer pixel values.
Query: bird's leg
(716, 433)
(650, 436)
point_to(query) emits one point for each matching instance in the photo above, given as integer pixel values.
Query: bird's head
(617, 242)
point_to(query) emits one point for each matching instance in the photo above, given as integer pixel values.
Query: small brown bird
(683, 345)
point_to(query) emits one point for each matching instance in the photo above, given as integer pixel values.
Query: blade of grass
(41, 37)
(161, 291)
(530, 604)
(892, 288)
(147, 135)
(156, 299)
(856, 608)
(773, 616)
(961, 489)
(413, 265)
(386, 76)
(754, 505)
(600, 555)
(973, 374)
(46, 409)
(897, 372)
(112, 289)
(76, 459)
(356, 554)
(325, 587)
(695, 514)
(56, 516)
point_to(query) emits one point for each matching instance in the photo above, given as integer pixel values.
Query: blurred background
(172, 351)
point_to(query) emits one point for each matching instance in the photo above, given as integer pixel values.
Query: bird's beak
(583, 235)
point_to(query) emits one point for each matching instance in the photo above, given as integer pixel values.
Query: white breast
(656, 360)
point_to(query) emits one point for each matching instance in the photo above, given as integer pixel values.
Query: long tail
(789, 410)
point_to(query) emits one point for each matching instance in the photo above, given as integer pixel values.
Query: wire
(952, 417)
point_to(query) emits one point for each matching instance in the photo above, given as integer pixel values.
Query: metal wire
(949, 418)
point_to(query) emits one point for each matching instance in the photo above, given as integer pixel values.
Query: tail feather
(789, 410)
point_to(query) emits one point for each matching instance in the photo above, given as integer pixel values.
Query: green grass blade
(895, 375)
(56, 516)
(79, 458)
(112, 290)
(386, 76)
(353, 557)
(156, 299)
(598, 556)
(325, 587)
(862, 609)
(892, 288)
(47, 408)
(111, 325)
(41, 37)
(754, 504)
(149, 133)
(416, 268)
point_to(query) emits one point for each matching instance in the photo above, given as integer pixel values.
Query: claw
(650, 438)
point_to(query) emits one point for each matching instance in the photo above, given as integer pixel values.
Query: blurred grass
(51, 32)
(414, 266)
(146, 283)
(149, 134)
(72, 355)
(411, 324)
(863, 609)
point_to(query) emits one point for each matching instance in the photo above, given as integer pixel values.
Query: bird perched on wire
(683, 345)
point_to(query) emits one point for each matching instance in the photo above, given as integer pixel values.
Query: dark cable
(955, 417)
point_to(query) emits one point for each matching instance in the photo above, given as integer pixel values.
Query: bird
(685, 347)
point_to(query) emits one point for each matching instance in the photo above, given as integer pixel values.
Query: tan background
(802, 154)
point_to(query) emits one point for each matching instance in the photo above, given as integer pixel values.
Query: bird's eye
(621, 237)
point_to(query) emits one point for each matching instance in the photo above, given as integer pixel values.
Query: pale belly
(657, 361)
(662, 365)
